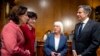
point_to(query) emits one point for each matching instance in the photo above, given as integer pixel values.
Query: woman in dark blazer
(56, 42)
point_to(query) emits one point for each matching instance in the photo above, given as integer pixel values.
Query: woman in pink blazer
(12, 37)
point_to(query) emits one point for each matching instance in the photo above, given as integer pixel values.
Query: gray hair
(60, 24)
(86, 8)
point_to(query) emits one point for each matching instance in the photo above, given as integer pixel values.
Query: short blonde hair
(60, 24)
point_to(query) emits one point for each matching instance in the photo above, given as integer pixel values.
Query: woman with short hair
(56, 42)
(29, 32)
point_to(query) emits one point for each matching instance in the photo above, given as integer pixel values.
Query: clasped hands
(55, 54)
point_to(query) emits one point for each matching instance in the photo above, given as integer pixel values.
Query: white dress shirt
(45, 37)
(57, 39)
(84, 22)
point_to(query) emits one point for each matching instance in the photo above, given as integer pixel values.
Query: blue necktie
(79, 29)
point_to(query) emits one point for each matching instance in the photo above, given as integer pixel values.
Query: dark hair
(47, 31)
(86, 8)
(15, 12)
(31, 14)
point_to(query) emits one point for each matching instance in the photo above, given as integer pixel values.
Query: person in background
(87, 34)
(46, 34)
(29, 32)
(12, 36)
(56, 42)
(71, 35)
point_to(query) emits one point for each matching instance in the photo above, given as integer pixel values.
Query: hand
(27, 52)
(79, 55)
(53, 53)
(58, 54)
(74, 53)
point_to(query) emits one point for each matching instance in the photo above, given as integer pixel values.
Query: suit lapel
(76, 31)
(20, 30)
(86, 26)
(60, 42)
(53, 41)
(84, 29)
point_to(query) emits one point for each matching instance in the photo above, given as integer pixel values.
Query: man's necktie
(80, 29)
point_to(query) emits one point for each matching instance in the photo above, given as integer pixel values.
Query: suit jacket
(49, 45)
(12, 40)
(29, 38)
(88, 42)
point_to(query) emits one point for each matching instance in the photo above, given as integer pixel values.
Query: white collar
(86, 20)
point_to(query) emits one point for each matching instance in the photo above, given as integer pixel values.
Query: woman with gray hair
(56, 42)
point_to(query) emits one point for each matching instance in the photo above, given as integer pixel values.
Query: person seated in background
(46, 34)
(71, 35)
(28, 30)
(56, 42)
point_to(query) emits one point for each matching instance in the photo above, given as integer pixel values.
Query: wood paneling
(2, 13)
(63, 10)
(98, 52)
(40, 49)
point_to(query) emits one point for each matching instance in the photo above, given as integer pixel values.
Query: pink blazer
(12, 40)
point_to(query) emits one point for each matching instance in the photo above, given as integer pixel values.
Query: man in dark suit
(86, 35)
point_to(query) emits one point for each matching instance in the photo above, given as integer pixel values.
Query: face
(24, 18)
(48, 32)
(57, 29)
(81, 14)
(32, 21)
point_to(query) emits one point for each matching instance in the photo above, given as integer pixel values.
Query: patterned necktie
(80, 29)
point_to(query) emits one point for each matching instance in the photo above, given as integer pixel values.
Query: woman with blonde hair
(56, 42)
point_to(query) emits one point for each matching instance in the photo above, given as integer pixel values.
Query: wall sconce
(43, 3)
(7, 9)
